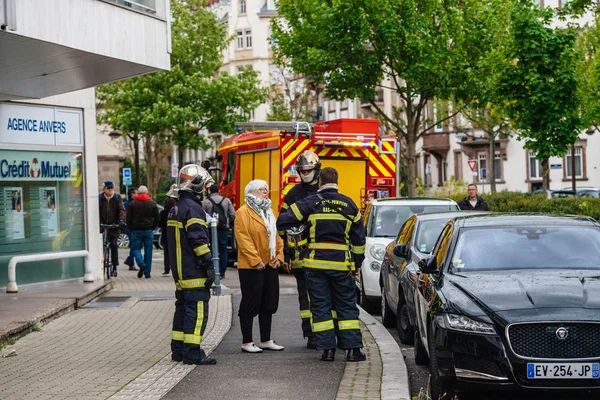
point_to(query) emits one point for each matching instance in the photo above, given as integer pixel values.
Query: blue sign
(127, 176)
(483, 173)
(555, 166)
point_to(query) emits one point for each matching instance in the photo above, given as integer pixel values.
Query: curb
(394, 380)
(59, 308)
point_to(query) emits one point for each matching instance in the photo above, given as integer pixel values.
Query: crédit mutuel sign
(58, 130)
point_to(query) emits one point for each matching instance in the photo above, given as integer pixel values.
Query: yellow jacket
(252, 239)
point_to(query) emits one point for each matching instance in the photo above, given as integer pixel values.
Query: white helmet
(173, 192)
(194, 179)
(308, 161)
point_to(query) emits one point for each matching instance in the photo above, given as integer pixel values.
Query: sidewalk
(120, 349)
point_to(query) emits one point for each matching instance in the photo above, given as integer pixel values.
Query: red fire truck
(366, 162)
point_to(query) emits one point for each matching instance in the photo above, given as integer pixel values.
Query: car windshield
(527, 247)
(428, 233)
(389, 219)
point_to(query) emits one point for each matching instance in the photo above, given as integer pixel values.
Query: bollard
(214, 243)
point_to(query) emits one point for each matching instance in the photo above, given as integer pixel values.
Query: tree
(539, 82)
(291, 97)
(588, 71)
(421, 50)
(177, 104)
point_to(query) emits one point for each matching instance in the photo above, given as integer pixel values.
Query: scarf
(329, 186)
(263, 208)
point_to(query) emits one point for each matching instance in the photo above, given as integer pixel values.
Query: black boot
(202, 361)
(176, 357)
(355, 355)
(328, 355)
(311, 343)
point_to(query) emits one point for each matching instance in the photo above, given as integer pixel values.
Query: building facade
(52, 54)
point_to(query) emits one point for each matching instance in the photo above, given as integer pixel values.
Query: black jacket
(142, 214)
(480, 206)
(336, 229)
(111, 212)
(189, 245)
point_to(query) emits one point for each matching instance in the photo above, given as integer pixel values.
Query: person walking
(260, 253)
(169, 202)
(191, 261)
(130, 260)
(112, 212)
(142, 218)
(473, 202)
(336, 230)
(308, 167)
(222, 206)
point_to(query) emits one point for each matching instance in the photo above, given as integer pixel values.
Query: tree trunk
(136, 152)
(180, 151)
(573, 174)
(545, 175)
(412, 129)
(492, 174)
(156, 155)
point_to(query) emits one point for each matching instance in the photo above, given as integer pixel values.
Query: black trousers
(260, 296)
(304, 302)
(114, 249)
(189, 323)
(333, 290)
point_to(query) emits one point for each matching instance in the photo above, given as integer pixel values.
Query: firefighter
(308, 166)
(191, 263)
(336, 247)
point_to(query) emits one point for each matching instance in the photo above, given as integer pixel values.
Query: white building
(52, 54)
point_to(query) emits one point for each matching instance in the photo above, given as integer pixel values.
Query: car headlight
(466, 324)
(375, 266)
(377, 251)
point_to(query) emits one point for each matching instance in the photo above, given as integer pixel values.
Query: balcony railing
(146, 6)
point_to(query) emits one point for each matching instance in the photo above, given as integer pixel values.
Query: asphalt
(65, 342)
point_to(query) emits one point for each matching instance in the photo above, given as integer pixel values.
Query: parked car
(383, 219)
(511, 302)
(400, 268)
(123, 240)
(586, 191)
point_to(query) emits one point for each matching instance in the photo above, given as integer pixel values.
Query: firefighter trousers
(333, 290)
(189, 323)
(304, 302)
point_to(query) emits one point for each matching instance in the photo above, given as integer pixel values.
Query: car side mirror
(401, 250)
(428, 266)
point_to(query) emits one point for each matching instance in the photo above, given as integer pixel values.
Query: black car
(400, 267)
(511, 302)
(124, 242)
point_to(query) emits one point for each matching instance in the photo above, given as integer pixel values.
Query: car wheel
(436, 389)
(387, 316)
(406, 331)
(123, 241)
(421, 357)
(365, 303)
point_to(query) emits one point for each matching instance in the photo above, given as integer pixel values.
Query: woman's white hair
(254, 186)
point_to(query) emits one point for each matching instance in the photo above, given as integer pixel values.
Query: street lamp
(136, 151)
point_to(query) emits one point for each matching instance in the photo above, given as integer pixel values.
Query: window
(498, 166)
(535, 170)
(230, 167)
(248, 39)
(437, 116)
(242, 7)
(240, 39)
(481, 158)
(578, 163)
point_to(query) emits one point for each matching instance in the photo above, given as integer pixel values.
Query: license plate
(563, 371)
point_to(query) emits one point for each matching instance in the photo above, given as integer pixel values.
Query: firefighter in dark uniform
(191, 262)
(335, 230)
(308, 166)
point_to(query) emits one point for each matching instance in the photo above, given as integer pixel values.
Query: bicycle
(106, 247)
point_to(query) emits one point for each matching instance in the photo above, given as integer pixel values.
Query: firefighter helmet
(173, 192)
(193, 178)
(308, 161)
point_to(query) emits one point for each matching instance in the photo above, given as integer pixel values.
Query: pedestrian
(336, 232)
(112, 212)
(130, 260)
(191, 261)
(260, 253)
(308, 167)
(217, 204)
(472, 201)
(169, 202)
(142, 219)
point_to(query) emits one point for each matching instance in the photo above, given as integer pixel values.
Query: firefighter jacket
(336, 234)
(189, 244)
(292, 248)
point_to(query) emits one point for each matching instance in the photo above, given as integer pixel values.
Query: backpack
(218, 208)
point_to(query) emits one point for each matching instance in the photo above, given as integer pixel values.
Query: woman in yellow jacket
(260, 253)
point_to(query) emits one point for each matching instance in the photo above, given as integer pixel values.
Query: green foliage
(452, 188)
(539, 80)
(293, 104)
(177, 103)
(588, 71)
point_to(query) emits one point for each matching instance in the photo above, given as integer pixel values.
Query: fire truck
(366, 162)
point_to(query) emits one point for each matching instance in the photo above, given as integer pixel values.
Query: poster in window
(49, 205)
(17, 228)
